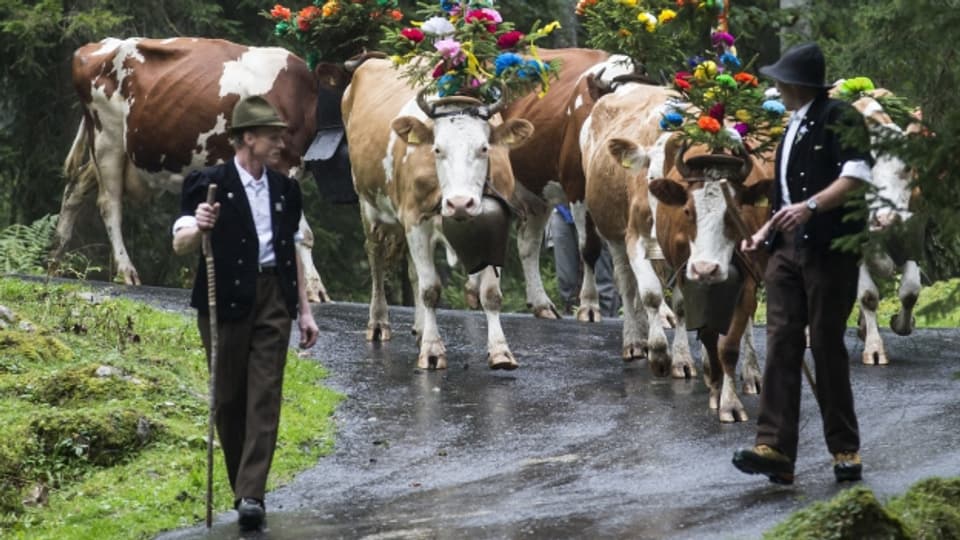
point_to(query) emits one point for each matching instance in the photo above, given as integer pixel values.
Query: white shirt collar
(245, 177)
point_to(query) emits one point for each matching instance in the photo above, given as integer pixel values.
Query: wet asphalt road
(575, 443)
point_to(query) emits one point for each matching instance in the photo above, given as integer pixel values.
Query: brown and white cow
(409, 170)
(891, 206)
(550, 158)
(697, 232)
(617, 198)
(153, 110)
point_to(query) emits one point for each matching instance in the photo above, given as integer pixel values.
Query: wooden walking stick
(212, 303)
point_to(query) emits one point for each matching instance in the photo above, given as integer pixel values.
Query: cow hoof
(546, 312)
(875, 357)
(751, 385)
(683, 370)
(318, 297)
(129, 276)
(589, 314)
(432, 362)
(378, 332)
(502, 360)
(659, 360)
(900, 326)
(732, 415)
(714, 401)
(634, 351)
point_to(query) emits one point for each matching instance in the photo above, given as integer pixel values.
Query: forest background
(907, 46)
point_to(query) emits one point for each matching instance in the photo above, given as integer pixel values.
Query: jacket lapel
(278, 202)
(237, 196)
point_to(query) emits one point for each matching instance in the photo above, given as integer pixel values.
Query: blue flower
(674, 118)
(507, 60)
(448, 5)
(774, 106)
(730, 59)
(447, 85)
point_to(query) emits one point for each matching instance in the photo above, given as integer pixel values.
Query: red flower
(746, 78)
(303, 24)
(717, 111)
(509, 39)
(413, 34)
(439, 70)
(280, 12)
(681, 80)
(310, 12)
(478, 15)
(396, 15)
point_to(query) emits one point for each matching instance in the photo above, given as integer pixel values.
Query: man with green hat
(259, 290)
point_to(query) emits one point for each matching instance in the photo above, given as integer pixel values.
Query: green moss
(10, 479)
(100, 437)
(81, 383)
(930, 509)
(19, 349)
(855, 513)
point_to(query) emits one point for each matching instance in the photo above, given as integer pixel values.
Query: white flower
(734, 135)
(771, 93)
(437, 26)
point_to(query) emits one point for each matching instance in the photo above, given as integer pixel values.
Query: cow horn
(499, 104)
(680, 163)
(747, 167)
(427, 108)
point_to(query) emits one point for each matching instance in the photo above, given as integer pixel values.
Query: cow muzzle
(460, 207)
(706, 272)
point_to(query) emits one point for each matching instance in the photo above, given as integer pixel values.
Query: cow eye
(484, 149)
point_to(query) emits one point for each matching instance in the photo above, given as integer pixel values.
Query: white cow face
(712, 234)
(461, 145)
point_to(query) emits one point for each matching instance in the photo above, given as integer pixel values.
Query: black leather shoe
(847, 467)
(762, 459)
(252, 514)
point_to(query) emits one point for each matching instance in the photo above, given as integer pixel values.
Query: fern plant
(23, 248)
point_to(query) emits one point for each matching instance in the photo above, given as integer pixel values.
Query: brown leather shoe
(847, 467)
(763, 459)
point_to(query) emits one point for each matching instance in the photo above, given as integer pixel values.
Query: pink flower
(492, 14)
(449, 48)
(722, 38)
(413, 34)
(742, 128)
(480, 16)
(509, 39)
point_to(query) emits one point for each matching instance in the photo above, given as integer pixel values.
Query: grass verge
(103, 417)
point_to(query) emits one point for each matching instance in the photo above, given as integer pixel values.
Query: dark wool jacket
(236, 247)
(816, 160)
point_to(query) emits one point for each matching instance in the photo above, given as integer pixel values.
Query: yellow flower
(330, 8)
(666, 16)
(623, 32)
(648, 21)
(709, 95)
(630, 3)
(742, 115)
(553, 26)
(776, 131)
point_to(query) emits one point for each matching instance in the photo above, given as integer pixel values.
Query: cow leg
(498, 352)
(378, 324)
(903, 322)
(634, 332)
(650, 295)
(74, 195)
(590, 245)
(873, 350)
(731, 409)
(682, 367)
(529, 242)
(113, 167)
(316, 292)
(472, 291)
(420, 242)
(712, 371)
(750, 374)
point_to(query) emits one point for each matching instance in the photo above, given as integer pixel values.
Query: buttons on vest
(233, 305)
(239, 261)
(289, 263)
(236, 282)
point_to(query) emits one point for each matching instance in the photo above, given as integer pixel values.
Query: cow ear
(412, 130)
(511, 133)
(668, 192)
(628, 155)
(757, 194)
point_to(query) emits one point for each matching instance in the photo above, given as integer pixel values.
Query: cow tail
(78, 166)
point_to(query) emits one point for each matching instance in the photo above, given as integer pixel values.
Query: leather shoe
(763, 459)
(252, 514)
(847, 467)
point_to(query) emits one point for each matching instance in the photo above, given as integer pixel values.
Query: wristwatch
(812, 205)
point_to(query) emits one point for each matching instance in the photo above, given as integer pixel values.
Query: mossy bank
(103, 417)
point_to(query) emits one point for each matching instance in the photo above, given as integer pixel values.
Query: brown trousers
(815, 288)
(251, 356)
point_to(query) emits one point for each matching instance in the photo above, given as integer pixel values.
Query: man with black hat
(260, 289)
(807, 281)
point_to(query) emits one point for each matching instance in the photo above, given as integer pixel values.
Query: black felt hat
(802, 65)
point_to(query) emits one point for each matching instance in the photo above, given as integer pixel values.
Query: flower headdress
(333, 30)
(466, 48)
(727, 107)
(651, 32)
